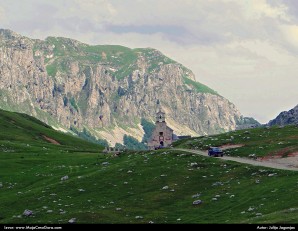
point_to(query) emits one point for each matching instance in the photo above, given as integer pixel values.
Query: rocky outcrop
(286, 118)
(105, 89)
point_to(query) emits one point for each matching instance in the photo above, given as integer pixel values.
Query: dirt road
(283, 166)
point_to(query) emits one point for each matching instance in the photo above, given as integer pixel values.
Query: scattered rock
(217, 184)
(64, 178)
(196, 195)
(105, 163)
(129, 171)
(72, 221)
(194, 165)
(27, 213)
(151, 222)
(1, 185)
(197, 202)
(118, 209)
(259, 214)
(214, 199)
(61, 211)
(81, 190)
(232, 196)
(49, 211)
(139, 217)
(250, 209)
(272, 174)
(252, 155)
(165, 187)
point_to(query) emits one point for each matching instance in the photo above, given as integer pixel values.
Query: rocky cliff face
(105, 89)
(286, 118)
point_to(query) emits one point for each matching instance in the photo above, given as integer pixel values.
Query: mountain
(247, 122)
(105, 89)
(286, 118)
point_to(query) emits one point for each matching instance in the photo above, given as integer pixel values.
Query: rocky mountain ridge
(105, 89)
(286, 118)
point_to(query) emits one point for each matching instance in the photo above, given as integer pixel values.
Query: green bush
(148, 129)
(133, 144)
(86, 135)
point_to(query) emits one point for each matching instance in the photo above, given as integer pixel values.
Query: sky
(246, 50)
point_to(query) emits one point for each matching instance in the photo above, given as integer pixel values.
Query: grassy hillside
(136, 187)
(23, 133)
(262, 142)
(132, 188)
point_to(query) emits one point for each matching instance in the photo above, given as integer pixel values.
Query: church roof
(170, 128)
(160, 111)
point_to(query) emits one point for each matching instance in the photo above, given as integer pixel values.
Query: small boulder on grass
(64, 178)
(196, 195)
(27, 213)
(72, 220)
(197, 202)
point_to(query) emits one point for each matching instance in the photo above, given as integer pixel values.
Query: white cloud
(2, 13)
(290, 33)
(97, 11)
(261, 8)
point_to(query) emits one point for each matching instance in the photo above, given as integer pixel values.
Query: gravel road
(290, 163)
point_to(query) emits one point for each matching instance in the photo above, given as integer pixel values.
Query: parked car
(215, 151)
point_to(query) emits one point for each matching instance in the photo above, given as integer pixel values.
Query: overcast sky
(247, 50)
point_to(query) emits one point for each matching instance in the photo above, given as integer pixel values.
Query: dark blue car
(215, 151)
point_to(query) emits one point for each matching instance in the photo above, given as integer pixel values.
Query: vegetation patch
(86, 135)
(199, 87)
(148, 128)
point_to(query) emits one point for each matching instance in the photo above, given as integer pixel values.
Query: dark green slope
(22, 132)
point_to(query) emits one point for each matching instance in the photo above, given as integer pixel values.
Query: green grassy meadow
(273, 141)
(135, 187)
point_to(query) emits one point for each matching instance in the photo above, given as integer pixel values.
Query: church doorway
(161, 143)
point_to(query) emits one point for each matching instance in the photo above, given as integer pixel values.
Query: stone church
(162, 135)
